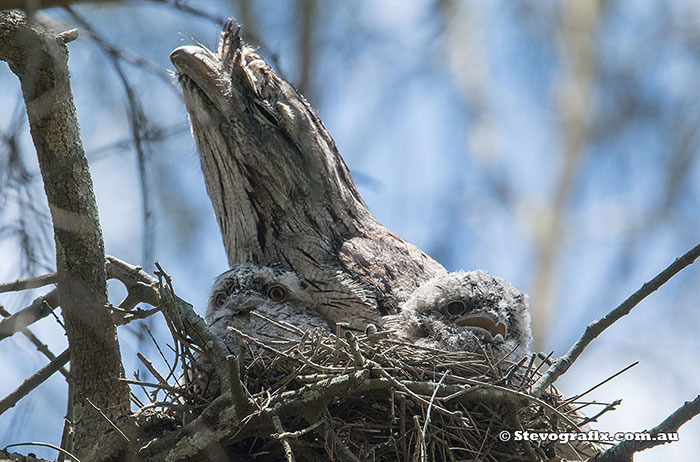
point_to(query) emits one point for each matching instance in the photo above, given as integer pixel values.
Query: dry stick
(29, 283)
(121, 433)
(238, 395)
(607, 408)
(34, 381)
(161, 386)
(581, 395)
(39, 309)
(46, 445)
(624, 450)
(594, 329)
(288, 454)
(37, 343)
(432, 400)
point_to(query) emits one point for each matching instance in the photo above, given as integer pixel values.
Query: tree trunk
(39, 59)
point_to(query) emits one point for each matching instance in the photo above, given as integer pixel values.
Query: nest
(369, 397)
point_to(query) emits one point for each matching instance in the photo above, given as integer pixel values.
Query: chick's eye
(220, 299)
(277, 293)
(455, 308)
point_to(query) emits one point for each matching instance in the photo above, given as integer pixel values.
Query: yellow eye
(220, 299)
(277, 293)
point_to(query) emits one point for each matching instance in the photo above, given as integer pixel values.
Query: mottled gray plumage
(282, 192)
(275, 293)
(466, 311)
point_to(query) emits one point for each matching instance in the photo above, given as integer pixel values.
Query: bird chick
(275, 293)
(466, 311)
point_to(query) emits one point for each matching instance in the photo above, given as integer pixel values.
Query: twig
(277, 423)
(29, 283)
(46, 445)
(624, 450)
(595, 328)
(238, 394)
(161, 386)
(121, 433)
(153, 372)
(419, 454)
(580, 395)
(43, 349)
(357, 357)
(430, 405)
(39, 309)
(34, 381)
(301, 432)
(140, 286)
(607, 408)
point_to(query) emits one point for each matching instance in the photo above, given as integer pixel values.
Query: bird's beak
(486, 323)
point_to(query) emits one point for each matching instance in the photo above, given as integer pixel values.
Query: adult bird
(281, 192)
(467, 311)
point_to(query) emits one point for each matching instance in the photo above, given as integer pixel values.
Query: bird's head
(248, 287)
(468, 311)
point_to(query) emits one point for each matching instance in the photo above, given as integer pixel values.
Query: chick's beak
(494, 326)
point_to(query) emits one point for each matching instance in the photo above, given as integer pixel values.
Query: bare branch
(34, 381)
(594, 329)
(29, 283)
(624, 450)
(39, 309)
(140, 286)
(41, 346)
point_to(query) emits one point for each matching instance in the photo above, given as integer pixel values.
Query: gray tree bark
(39, 59)
(281, 191)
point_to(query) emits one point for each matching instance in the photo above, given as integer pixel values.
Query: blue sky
(406, 92)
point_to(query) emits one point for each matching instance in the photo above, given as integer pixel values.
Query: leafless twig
(34, 381)
(29, 283)
(624, 450)
(594, 329)
(39, 308)
(43, 349)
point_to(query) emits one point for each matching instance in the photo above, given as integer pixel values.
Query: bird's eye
(220, 299)
(455, 308)
(277, 293)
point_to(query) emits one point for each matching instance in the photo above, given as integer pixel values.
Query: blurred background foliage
(552, 143)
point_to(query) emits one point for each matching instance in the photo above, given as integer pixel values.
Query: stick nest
(369, 397)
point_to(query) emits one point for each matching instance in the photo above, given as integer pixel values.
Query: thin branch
(29, 283)
(140, 286)
(609, 407)
(238, 394)
(34, 381)
(46, 445)
(288, 454)
(41, 346)
(112, 424)
(39, 309)
(594, 329)
(624, 450)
